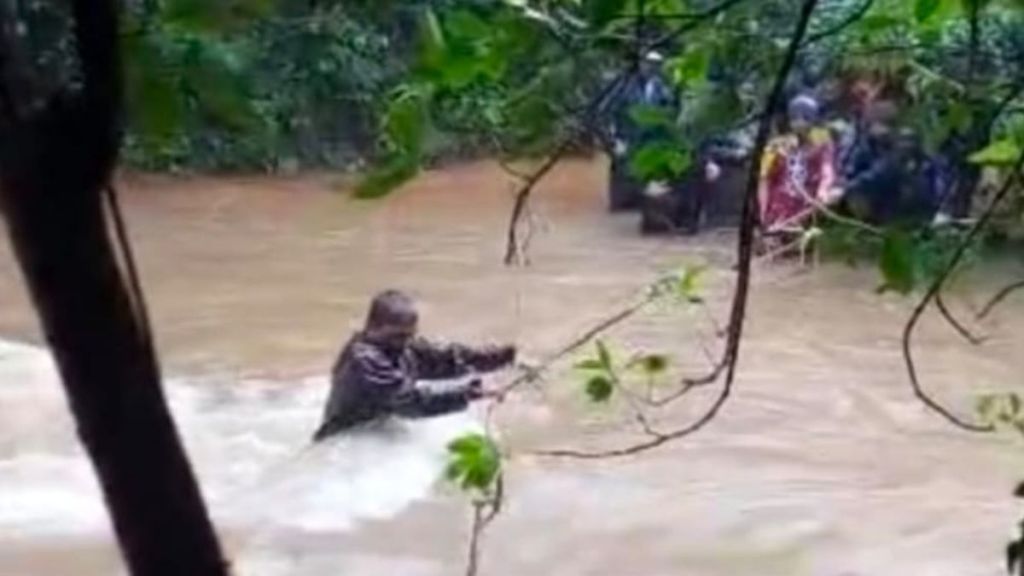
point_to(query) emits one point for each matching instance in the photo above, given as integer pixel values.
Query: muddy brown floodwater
(822, 463)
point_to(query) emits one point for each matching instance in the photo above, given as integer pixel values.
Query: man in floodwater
(380, 370)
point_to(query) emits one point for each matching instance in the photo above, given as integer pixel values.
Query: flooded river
(822, 464)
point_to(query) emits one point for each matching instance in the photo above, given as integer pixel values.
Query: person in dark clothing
(380, 371)
(647, 87)
(679, 206)
(891, 179)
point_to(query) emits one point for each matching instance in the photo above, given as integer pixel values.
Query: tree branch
(55, 161)
(932, 294)
(534, 372)
(940, 302)
(512, 246)
(998, 298)
(485, 511)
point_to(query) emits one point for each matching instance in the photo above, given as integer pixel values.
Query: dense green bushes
(286, 85)
(291, 88)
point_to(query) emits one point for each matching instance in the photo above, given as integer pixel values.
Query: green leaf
(690, 68)
(648, 116)
(985, 404)
(459, 71)
(897, 263)
(959, 118)
(601, 12)
(222, 94)
(925, 9)
(879, 22)
(432, 41)
(658, 161)
(590, 364)
(474, 462)
(654, 364)
(406, 120)
(466, 26)
(666, 7)
(604, 355)
(385, 178)
(156, 107)
(999, 153)
(688, 287)
(599, 388)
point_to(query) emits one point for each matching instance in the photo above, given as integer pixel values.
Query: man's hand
(712, 171)
(531, 370)
(476, 391)
(832, 195)
(507, 354)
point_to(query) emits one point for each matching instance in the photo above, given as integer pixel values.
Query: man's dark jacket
(368, 382)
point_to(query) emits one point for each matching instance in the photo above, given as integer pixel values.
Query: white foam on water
(369, 474)
(248, 441)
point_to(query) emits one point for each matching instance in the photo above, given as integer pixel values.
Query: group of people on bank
(836, 147)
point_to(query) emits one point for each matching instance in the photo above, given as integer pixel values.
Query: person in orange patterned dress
(797, 171)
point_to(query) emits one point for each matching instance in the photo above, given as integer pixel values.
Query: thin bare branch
(998, 299)
(485, 511)
(933, 292)
(534, 372)
(475, 536)
(595, 106)
(940, 303)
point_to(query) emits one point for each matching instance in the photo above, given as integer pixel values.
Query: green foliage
(1002, 410)
(647, 116)
(384, 178)
(474, 463)
(212, 17)
(907, 258)
(924, 10)
(691, 68)
(253, 83)
(1004, 152)
(912, 259)
(653, 364)
(599, 388)
(601, 12)
(688, 287)
(603, 374)
(682, 285)
(897, 263)
(659, 161)
(269, 83)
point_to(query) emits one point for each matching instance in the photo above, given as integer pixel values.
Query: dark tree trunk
(54, 164)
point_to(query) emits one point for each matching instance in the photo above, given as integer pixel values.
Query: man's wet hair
(391, 308)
